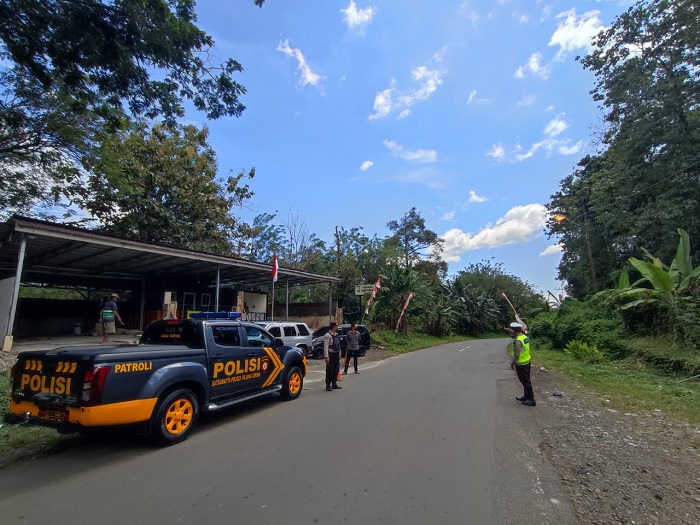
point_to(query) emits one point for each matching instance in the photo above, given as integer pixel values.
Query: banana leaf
(659, 279)
(682, 259)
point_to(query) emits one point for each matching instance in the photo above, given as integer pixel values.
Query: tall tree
(482, 284)
(160, 185)
(76, 68)
(265, 239)
(302, 249)
(590, 256)
(412, 238)
(648, 181)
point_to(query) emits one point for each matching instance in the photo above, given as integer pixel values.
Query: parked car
(317, 343)
(292, 333)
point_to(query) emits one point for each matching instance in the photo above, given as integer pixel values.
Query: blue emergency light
(215, 315)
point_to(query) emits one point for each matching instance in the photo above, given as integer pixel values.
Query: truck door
(260, 343)
(231, 367)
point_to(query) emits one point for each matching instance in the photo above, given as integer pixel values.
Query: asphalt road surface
(431, 437)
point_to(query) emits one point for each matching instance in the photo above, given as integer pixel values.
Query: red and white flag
(275, 268)
(403, 310)
(376, 288)
(408, 300)
(517, 317)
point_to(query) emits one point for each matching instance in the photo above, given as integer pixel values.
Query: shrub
(583, 352)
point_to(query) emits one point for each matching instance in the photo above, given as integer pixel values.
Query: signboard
(363, 289)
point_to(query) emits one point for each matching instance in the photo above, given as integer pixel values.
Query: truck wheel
(174, 417)
(362, 351)
(293, 384)
(318, 352)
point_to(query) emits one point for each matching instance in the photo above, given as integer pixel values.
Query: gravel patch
(619, 467)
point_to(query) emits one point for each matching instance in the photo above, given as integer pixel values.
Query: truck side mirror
(278, 342)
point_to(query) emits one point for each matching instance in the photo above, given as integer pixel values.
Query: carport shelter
(41, 253)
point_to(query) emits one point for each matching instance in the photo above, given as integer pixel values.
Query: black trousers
(523, 372)
(351, 354)
(332, 368)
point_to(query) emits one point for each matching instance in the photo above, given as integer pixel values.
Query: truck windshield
(173, 333)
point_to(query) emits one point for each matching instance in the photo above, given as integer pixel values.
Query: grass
(630, 384)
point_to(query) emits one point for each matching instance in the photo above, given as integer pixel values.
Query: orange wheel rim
(295, 383)
(179, 416)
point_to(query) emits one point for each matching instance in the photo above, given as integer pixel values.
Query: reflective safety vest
(524, 350)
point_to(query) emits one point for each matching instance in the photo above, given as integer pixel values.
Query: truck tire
(293, 384)
(362, 351)
(174, 417)
(318, 352)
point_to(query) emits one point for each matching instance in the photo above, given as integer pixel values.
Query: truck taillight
(93, 384)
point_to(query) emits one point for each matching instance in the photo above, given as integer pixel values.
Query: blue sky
(471, 111)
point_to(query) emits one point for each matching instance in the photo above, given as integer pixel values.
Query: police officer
(521, 363)
(331, 352)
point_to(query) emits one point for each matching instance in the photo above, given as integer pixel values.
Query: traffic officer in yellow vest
(521, 363)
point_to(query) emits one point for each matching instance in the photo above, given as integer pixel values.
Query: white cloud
(534, 66)
(308, 76)
(497, 152)
(550, 146)
(555, 127)
(355, 17)
(551, 250)
(421, 156)
(522, 17)
(473, 197)
(527, 100)
(366, 165)
(472, 94)
(425, 176)
(519, 224)
(449, 216)
(571, 150)
(576, 32)
(468, 12)
(405, 113)
(385, 101)
(546, 13)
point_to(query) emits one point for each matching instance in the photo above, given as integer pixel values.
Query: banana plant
(668, 282)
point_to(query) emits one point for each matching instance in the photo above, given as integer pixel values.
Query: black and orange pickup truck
(179, 368)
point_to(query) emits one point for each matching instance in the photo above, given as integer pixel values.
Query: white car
(292, 333)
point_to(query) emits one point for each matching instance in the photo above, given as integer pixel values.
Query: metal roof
(59, 254)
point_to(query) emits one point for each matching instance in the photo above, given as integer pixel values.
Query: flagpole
(275, 269)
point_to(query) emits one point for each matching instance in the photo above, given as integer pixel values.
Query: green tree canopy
(160, 185)
(80, 69)
(412, 238)
(645, 183)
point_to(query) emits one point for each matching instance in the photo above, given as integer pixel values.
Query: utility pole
(337, 243)
(591, 264)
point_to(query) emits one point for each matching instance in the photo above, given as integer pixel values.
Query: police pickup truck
(179, 368)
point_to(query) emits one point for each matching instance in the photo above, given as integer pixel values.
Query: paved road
(431, 437)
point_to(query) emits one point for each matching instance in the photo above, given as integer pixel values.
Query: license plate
(54, 415)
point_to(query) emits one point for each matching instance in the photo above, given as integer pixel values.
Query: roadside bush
(590, 322)
(542, 327)
(583, 352)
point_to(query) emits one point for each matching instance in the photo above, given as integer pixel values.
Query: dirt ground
(618, 468)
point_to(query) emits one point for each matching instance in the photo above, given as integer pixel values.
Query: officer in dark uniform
(331, 352)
